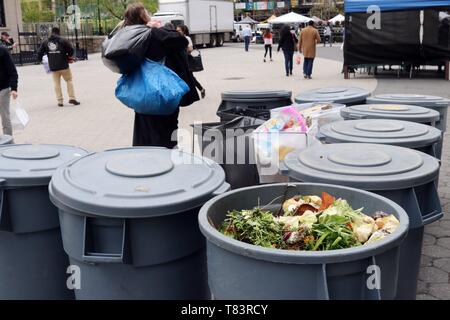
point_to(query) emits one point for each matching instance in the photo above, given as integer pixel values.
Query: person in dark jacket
(7, 41)
(287, 42)
(8, 87)
(164, 44)
(60, 53)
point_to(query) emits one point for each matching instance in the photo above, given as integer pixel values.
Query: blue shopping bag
(152, 89)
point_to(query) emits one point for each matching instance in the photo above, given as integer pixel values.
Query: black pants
(197, 84)
(288, 61)
(155, 130)
(268, 48)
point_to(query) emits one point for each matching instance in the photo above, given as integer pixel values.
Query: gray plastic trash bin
(237, 270)
(433, 102)
(345, 95)
(393, 132)
(129, 221)
(393, 112)
(5, 139)
(32, 260)
(406, 176)
(230, 145)
(256, 104)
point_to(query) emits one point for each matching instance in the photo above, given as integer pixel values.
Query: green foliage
(116, 8)
(324, 11)
(32, 13)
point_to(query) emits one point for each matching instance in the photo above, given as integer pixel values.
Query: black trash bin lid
(245, 95)
(33, 165)
(136, 183)
(391, 111)
(411, 99)
(365, 166)
(393, 132)
(333, 94)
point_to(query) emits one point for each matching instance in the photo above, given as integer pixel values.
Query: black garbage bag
(230, 144)
(125, 48)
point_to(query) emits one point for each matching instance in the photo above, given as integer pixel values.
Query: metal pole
(100, 31)
(77, 43)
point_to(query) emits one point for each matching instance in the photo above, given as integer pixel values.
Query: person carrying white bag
(8, 88)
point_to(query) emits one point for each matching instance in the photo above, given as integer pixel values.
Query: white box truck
(210, 22)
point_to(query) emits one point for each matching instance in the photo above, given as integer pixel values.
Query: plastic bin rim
(302, 257)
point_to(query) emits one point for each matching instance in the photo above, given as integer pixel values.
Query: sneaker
(74, 102)
(305, 76)
(264, 59)
(60, 105)
(271, 60)
(309, 77)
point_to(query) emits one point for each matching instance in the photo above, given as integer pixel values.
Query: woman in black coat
(168, 46)
(287, 42)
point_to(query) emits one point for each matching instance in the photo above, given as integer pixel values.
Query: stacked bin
(237, 270)
(392, 132)
(255, 104)
(32, 260)
(230, 145)
(432, 102)
(129, 221)
(406, 176)
(344, 95)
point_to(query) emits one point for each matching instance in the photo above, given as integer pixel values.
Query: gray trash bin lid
(24, 165)
(411, 99)
(5, 139)
(333, 94)
(240, 95)
(136, 183)
(393, 132)
(366, 166)
(391, 111)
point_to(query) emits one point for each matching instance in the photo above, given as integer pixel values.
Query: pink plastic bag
(298, 59)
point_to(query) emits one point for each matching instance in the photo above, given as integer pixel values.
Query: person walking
(327, 34)
(7, 41)
(8, 88)
(268, 42)
(60, 53)
(287, 42)
(184, 30)
(309, 38)
(168, 45)
(248, 34)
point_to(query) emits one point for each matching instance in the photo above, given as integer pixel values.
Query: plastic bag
(19, 117)
(152, 89)
(45, 64)
(298, 59)
(124, 50)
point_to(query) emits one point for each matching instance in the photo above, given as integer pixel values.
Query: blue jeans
(308, 66)
(288, 61)
(247, 43)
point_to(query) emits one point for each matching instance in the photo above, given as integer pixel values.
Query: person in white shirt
(248, 34)
(327, 35)
(184, 30)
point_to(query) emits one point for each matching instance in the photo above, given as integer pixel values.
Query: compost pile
(310, 223)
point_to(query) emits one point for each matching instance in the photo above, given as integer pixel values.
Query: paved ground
(101, 122)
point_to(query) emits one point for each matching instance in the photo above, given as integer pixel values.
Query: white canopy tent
(339, 18)
(290, 17)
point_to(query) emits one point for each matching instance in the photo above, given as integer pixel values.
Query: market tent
(268, 20)
(291, 17)
(247, 20)
(316, 19)
(390, 5)
(339, 18)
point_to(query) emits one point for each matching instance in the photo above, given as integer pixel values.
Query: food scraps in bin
(310, 223)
